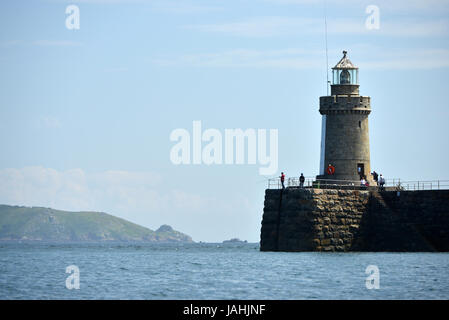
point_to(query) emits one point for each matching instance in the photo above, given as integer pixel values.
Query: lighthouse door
(361, 170)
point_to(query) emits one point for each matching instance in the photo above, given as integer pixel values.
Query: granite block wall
(355, 220)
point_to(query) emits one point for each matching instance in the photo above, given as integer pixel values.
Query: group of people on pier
(379, 179)
(302, 179)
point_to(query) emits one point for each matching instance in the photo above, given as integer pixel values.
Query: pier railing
(390, 184)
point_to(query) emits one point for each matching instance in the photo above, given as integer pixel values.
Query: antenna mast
(327, 57)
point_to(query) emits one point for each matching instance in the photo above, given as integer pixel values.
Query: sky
(86, 113)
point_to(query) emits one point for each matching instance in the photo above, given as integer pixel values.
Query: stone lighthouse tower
(345, 136)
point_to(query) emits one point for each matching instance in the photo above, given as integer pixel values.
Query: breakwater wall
(355, 220)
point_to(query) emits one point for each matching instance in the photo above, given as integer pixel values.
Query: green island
(46, 224)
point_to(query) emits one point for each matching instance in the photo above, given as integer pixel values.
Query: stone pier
(349, 220)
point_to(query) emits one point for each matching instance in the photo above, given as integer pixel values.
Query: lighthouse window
(345, 77)
(360, 124)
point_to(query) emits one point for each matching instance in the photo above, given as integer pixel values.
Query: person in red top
(282, 179)
(330, 169)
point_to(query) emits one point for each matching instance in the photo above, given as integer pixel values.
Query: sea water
(36, 270)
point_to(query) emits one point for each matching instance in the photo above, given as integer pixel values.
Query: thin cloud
(10, 43)
(138, 196)
(184, 8)
(40, 43)
(285, 26)
(407, 59)
(116, 191)
(56, 43)
(388, 5)
(261, 26)
(167, 6)
(116, 69)
(287, 58)
(295, 58)
(49, 122)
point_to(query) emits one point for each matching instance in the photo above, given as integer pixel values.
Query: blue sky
(86, 115)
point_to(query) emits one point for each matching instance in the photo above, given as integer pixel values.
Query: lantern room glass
(345, 76)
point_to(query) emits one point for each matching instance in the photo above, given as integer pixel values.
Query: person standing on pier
(282, 179)
(381, 182)
(375, 176)
(301, 181)
(362, 182)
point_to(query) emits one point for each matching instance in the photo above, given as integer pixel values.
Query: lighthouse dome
(345, 72)
(345, 63)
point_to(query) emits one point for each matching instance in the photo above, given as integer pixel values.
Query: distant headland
(46, 224)
(235, 240)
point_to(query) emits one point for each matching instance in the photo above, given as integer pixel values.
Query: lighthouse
(345, 153)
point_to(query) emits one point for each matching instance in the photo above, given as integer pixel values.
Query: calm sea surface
(213, 271)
